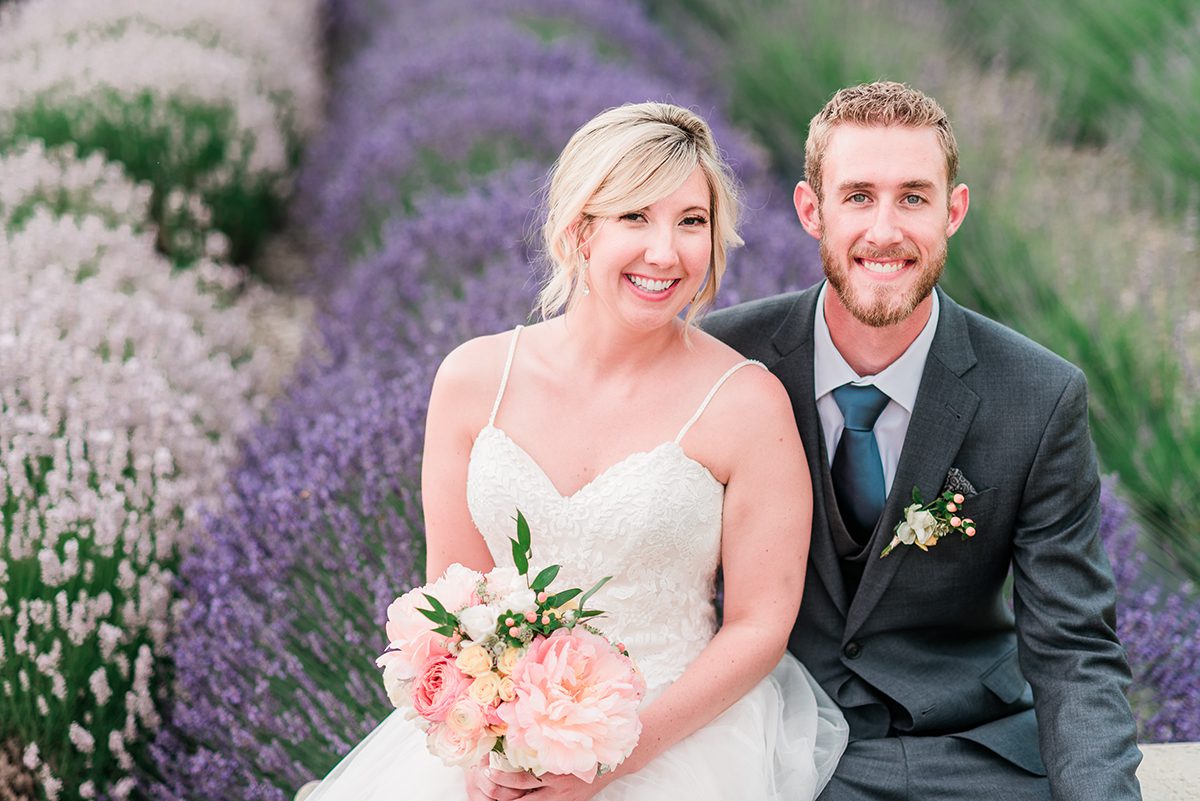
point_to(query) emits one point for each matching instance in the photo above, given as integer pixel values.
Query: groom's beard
(885, 305)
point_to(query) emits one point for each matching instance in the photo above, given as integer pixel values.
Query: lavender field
(208, 493)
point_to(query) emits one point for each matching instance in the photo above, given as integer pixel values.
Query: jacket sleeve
(1065, 610)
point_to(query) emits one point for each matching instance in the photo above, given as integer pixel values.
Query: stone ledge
(1170, 772)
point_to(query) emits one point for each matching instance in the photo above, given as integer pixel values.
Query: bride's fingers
(481, 788)
(514, 780)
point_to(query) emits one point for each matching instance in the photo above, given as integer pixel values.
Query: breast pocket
(979, 507)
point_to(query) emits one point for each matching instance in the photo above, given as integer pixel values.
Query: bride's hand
(485, 784)
(554, 787)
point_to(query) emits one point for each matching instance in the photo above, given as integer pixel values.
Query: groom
(949, 695)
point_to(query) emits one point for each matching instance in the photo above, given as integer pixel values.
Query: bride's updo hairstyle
(624, 159)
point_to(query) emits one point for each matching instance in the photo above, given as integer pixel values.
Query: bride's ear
(808, 208)
(578, 234)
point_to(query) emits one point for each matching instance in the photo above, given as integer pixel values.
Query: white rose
(502, 581)
(521, 601)
(924, 526)
(479, 621)
(456, 749)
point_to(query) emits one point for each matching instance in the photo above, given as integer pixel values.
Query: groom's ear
(960, 200)
(808, 208)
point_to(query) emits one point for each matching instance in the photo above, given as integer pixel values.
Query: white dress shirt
(900, 381)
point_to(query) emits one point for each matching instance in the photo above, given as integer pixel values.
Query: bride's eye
(634, 216)
(695, 220)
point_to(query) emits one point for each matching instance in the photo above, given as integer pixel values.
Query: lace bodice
(652, 521)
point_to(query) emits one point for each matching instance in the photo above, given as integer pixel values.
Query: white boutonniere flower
(925, 523)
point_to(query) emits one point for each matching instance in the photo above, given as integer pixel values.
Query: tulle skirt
(779, 742)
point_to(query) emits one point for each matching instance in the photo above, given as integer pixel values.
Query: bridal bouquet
(500, 666)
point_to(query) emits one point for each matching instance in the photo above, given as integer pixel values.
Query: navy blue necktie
(857, 468)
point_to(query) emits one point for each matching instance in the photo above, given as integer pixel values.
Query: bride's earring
(583, 278)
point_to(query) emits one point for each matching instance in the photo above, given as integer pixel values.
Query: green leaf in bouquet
(592, 592)
(520, 560)
(544, 578)
(445, 631)
(590, 613)
(523, 535)
(558, 599)
(438, 613)
(434, 603)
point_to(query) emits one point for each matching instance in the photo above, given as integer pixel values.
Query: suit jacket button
(852, 650)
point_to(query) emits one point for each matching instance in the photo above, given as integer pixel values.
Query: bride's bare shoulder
(754, 389)
(470, 374)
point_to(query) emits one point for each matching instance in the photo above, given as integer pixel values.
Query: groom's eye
(858, 197)
(913, 200)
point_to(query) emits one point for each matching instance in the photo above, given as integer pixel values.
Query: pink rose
(575, 707)
(439, 684)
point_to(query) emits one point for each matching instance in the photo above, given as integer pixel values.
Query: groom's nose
(884, 230)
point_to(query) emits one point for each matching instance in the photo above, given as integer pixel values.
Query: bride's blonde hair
(627, 158)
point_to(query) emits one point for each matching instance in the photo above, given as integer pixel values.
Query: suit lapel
(793, 342)
(942, 415)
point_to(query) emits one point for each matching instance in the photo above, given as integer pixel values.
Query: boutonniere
(926, 523)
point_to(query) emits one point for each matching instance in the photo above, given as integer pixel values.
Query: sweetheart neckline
(594, 479)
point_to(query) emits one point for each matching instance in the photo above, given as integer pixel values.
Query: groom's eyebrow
(914, 183)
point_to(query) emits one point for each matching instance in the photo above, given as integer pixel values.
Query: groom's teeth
(882, 266)
(651, 285)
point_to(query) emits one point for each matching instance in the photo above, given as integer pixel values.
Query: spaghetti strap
(712, 392)
(512, 349)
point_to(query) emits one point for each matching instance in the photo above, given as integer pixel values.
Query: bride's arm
(458, 408)
(767, 519)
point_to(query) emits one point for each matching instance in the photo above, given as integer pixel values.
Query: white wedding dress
(653, 522)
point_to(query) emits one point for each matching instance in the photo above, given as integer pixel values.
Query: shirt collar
(900, 380)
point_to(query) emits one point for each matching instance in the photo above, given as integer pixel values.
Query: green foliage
(1083, 52)
(1117, 71)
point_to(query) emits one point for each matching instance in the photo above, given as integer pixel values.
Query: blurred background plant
(135, 140)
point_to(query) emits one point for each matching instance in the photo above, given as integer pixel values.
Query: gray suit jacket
(928, 645)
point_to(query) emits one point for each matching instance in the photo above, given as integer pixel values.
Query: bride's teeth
(651, 285)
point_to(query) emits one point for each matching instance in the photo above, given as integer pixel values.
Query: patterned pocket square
(958, 483)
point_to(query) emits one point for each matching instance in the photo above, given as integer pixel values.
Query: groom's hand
(484, 784)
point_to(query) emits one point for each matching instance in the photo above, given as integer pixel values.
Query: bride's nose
(661, 248)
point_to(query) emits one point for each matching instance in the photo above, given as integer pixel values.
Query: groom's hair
(877, 104)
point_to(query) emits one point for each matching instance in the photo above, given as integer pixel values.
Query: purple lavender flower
(1158, 628)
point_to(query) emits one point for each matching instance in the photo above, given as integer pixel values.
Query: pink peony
(576, 706)
(439, 684)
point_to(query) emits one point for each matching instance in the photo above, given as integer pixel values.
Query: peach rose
(508, 660)
(575, 708)
(485, 689)
(507, 689)
(474, 661)
(437, 687)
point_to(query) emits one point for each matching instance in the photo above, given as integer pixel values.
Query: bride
(637, 446)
